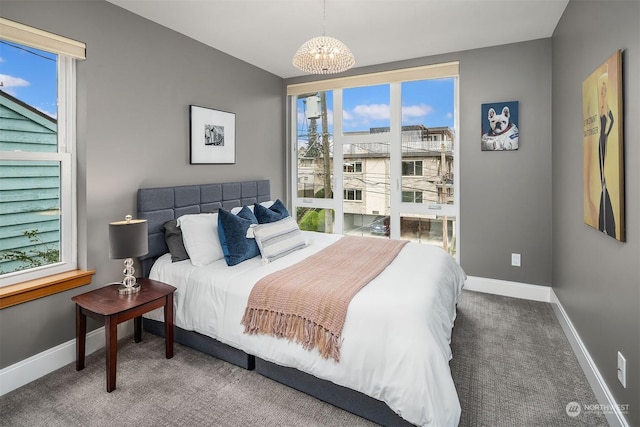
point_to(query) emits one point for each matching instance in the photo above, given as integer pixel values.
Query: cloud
(419, 110)
(372, 111)
(10, 81)
(362, 116)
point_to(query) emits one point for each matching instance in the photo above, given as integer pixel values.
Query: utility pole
(312, 144)
(443, 197)
(328, 219)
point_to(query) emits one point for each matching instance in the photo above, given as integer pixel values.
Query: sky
(424, 102)
(30, 75)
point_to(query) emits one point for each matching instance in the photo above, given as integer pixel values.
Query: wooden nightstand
(105, 304)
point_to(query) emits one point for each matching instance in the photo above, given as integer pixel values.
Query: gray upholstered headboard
(159, 205)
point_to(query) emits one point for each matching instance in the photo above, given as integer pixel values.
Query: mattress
(396, 336)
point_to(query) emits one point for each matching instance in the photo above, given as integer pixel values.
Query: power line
(27, 50)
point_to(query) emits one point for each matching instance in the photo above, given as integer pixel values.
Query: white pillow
(277, 239)
(200, 237)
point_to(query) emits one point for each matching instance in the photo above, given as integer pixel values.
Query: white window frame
(355, 192)
(66, 156)
(414, 167)
(413, 195)
(354, 164)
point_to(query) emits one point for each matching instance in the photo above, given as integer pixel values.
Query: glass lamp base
(124, 290)
(129, 283)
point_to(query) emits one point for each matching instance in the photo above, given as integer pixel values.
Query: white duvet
(396, 337)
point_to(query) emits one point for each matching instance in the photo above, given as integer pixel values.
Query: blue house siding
(29, 190)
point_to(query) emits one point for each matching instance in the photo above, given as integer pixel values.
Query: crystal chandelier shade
(323, 55)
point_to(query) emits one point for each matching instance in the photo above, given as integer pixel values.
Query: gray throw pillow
(173, 238)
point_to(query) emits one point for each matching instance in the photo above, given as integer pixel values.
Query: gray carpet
(512, 366)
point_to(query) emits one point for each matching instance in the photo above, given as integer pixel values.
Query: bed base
(203, 343)
(336, 395)
(339, 396)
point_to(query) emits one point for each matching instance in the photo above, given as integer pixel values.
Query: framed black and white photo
(212, 135)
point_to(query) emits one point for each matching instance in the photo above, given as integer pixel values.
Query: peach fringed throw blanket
(307, 302)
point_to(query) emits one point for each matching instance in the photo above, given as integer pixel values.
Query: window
(37, 144)
(365, 109)
(390, 156)
(351, 167)
(353, 195)
(412, 168)
(412, 196)
(314, 166)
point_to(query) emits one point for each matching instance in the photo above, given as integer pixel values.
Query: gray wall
(134, 92)
(505, 196)
(139, 78)
(597, 278)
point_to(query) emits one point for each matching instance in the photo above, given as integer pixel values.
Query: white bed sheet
(396, 337)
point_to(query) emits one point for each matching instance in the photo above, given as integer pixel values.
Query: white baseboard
(599, 386)
(508, 289)
(41, 364)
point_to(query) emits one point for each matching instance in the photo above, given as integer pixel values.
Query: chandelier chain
(324, 17)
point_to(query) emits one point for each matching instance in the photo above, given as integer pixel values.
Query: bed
(394, 358)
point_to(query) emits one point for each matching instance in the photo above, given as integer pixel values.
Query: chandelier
(323, 55)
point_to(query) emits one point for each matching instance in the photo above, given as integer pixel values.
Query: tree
(40, 255)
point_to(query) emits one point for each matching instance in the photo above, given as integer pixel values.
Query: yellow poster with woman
(603, 163)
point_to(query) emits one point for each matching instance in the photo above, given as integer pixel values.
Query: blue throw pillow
(279, 207)
(274, 213)
(232, 230)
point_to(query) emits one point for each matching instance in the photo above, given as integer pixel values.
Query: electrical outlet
(622, 370)
(515, 260)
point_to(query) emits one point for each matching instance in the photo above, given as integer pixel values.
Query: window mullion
(67, 144)
(338, 161)
(395, 158)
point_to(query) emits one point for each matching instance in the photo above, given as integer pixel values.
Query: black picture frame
(212, 136)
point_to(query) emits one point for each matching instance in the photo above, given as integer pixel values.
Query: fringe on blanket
(293, 327)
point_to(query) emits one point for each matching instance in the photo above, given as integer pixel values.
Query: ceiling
(266, 33)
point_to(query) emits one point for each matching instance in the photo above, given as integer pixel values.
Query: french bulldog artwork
(500, 129)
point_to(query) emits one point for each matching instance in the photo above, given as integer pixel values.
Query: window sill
(45, 286)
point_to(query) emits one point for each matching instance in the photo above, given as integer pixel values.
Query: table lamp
(128, 239)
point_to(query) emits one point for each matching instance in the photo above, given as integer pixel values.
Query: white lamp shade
(128, 239)
(323, 55)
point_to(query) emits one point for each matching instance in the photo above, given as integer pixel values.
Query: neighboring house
(29, 194)
(427, 176)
